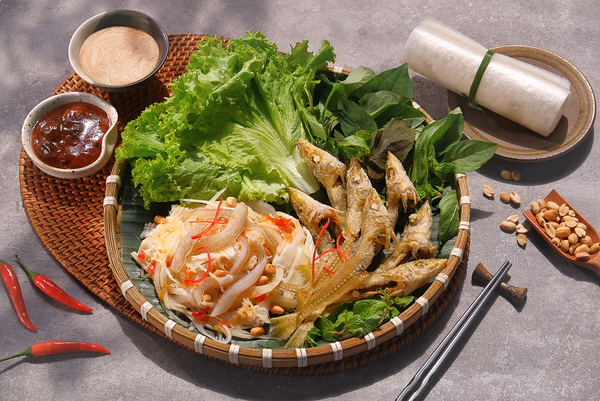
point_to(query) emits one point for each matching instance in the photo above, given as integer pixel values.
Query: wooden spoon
(593, 263)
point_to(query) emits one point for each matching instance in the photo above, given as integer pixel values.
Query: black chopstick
(420, 380)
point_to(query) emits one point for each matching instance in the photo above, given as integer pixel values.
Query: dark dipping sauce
(70, 136)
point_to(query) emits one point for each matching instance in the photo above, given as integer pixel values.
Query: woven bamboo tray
(68, 215)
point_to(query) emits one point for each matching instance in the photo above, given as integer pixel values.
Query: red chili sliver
(202, 315)
(14, 291)
(188, 283)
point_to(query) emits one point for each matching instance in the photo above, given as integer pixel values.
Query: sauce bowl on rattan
(125, 18)
(108, 141)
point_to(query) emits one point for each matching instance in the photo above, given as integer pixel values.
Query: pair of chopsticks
(419, 382)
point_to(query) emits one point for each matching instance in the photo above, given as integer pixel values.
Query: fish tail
(282, 327)
(298, 339)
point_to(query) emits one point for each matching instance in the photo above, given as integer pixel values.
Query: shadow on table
(237, 382)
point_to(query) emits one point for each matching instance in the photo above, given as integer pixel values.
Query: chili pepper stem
(26, 352)
(29, 272)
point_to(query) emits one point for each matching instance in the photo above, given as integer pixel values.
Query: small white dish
(108, 141)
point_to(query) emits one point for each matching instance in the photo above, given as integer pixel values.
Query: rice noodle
(245, 282)
(240, 245)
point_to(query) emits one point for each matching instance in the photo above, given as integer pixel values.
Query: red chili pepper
(52, 289)
(14, 290)
(58, 347)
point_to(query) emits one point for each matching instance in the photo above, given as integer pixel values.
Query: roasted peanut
(515, 175)
(514, 218)
(563, 210)
(276, 310)
(515, 198)
(563, 232)
(262, 280)
(504, 197)
(270, 270)
(535, 207)
(488, 191)
(257, 331)
(550, 230)
(523, 228)
(505, 174)
(522, 239)
(160, 219)
(508, 225)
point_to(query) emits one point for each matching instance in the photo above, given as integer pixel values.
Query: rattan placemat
(67, 215)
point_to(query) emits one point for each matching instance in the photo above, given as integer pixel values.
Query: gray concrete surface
(547, 350)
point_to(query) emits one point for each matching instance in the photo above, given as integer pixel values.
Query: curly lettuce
(231, 123)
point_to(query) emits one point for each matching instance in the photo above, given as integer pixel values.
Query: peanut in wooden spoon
(593, 261)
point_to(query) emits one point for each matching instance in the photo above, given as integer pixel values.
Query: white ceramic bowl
(108, 141)
(128, 18)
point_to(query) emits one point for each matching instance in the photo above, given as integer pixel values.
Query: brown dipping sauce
(70, 136)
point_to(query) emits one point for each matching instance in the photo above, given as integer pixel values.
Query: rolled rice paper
(521, 92)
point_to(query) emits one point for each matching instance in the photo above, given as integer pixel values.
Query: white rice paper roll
(521, 92)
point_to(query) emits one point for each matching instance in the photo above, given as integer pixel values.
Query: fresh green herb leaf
(466, 156)
(354, 118)
(449, 218)
(395, 80)
(356, 145)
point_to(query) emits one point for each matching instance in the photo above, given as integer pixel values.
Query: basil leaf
(372, 102)
(356, 146)
(448, 132)
(404, 111)
(354, 118)
(469, 155)
(445, 171)
(357, 78)
(395, 80)
(449, 217)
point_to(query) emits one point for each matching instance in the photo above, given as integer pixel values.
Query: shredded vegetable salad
(218, 262)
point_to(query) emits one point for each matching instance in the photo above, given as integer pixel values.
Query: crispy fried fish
(398, 187)
(348, 276)
(404, 279)
(358, 188)
(313, 215)
(329, 171)
(415, 239)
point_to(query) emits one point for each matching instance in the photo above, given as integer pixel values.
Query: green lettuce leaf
(231, 123)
